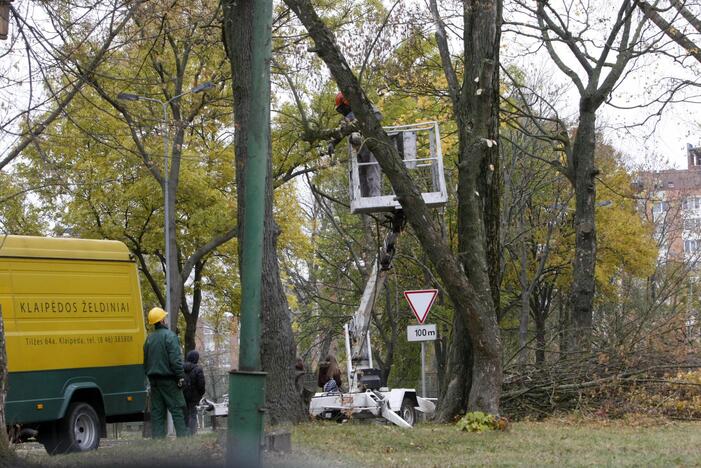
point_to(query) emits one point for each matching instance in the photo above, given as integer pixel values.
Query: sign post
(420, 302)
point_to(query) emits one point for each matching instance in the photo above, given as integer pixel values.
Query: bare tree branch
(65, 100)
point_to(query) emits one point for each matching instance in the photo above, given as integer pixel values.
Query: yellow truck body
(74, 331)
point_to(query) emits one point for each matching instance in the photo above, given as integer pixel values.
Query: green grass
(555, 442)
(527, 444)
(202, 450)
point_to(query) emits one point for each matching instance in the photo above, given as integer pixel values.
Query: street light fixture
(172, 318)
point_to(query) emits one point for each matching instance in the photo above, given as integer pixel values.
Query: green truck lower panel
(39, 396)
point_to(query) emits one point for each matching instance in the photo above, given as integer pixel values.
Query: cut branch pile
(607, 385)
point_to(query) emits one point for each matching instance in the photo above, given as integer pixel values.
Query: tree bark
(456, 380)
(583, 283)
(540, 340)
(525, 293)
(563, 324)
(192, 314)
(278, 351)
(476, 109)
(670, 31)
(541, 303)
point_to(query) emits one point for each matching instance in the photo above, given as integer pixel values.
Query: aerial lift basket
(419, 145)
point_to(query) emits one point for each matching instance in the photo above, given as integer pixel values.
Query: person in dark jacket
(194, 388)
(163, 365)
(329, 378)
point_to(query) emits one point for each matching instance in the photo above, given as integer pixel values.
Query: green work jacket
(162, 356)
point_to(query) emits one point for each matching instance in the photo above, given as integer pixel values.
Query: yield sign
(421, 301)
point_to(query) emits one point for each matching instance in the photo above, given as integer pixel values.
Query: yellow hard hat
(155, 315)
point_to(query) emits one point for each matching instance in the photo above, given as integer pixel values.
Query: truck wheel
(407, 411)
(78, 431)
(48, 438)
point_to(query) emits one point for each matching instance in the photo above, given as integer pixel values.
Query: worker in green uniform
(163, 364)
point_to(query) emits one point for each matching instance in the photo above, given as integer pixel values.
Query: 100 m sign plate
(425, 332)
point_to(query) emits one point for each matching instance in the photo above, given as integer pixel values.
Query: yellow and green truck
(74, 332)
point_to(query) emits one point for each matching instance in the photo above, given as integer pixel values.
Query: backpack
(190, 386)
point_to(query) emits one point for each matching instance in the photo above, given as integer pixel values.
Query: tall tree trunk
(525, 293)
(523, 328)
(582, 295)
(485, 371)
(603, 71)
(477, 115)
(192, 315)
(540, 339)
(456, 380)
(190, 341)
(541, 303)
(563, 324)
(278, 351)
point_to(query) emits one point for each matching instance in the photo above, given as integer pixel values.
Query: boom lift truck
(419, 146)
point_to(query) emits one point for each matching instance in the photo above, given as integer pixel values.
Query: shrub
(477, 421)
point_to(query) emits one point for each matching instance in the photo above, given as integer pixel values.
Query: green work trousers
(166, 395)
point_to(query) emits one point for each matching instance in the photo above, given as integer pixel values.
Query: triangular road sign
(420, 302)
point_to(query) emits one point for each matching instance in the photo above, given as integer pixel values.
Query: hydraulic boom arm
(357, 343)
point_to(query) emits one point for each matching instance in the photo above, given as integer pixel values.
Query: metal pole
(352, 387)
(423, 369)
(172, 316)
(247, 385)
(367, 340)
(168, 223)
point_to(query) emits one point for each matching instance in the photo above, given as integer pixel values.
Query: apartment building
(672, 199)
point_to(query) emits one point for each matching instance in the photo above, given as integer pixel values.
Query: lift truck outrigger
(366, 398)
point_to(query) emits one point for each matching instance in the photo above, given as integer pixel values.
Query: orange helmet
(341, 99)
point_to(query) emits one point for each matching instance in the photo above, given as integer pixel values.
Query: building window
(692, 245)
(670, 184)
(695, 155)
(691, 203)
(692, 224)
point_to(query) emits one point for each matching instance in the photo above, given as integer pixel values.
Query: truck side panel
(43, 395)
(68, 314)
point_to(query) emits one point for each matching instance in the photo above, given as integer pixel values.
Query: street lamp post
(172, 317)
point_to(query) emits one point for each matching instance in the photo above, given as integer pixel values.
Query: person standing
(194, 388)
(329, 378)
(163, 365)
